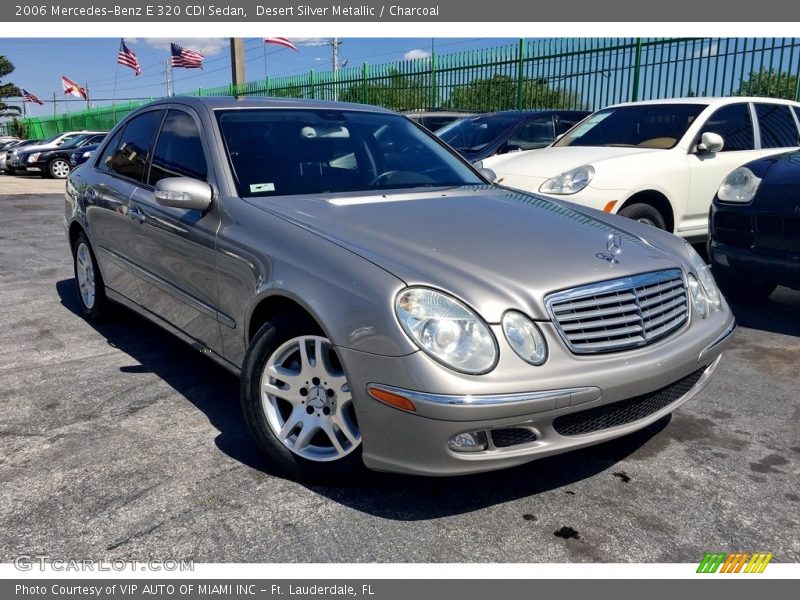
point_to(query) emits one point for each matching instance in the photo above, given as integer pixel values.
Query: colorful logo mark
(720, 562)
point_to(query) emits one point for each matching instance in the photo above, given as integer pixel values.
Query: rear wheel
(298, 403)
(88, 280)
(58, 168)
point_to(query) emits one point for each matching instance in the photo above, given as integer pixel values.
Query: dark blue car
(481, 136)
(81, 155)
(754, 241)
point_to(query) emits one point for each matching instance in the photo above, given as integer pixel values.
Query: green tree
(7, 90)
(398, 91)
(769, 83)
(499, 92)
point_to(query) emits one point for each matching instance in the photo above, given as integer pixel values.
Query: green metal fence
(586, 73)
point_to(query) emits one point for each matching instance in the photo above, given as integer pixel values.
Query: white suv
(660, 161)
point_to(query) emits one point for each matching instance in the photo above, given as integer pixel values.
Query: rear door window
(777, 126)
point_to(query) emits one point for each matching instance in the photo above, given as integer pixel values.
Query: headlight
(87, 154)
(524, 338)
(706, 278)
(739, 186)
(34, 157)
(447, 330)
(698, 298)
(570, 182)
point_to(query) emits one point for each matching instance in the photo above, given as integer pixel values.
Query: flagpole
(54, 104)
(266, 77)
(88, 102)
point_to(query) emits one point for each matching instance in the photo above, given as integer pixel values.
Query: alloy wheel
(307, 401)
(84, 269)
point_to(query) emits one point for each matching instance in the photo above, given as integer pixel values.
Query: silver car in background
(382, 301)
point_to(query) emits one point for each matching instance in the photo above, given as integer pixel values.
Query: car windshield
(76, 141)
(50, 140)
(642, 126)
(279, 152)
(473, 134)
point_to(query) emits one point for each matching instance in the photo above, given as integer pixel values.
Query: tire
(95, 306)
(644, 213)
(739, 287)
(58, 168)
(309, 394)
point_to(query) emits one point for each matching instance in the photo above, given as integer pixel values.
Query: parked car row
(51, 157)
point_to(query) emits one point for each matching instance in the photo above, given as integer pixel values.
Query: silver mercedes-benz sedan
(382, 301)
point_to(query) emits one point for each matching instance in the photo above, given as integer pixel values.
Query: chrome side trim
(720, 339)
(489, 400)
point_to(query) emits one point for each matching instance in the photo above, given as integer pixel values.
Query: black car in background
(434, 119)
(754, 241)
(81, 155)
(481, 136)
(54, 162)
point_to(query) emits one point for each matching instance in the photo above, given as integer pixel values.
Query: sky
(41, 62)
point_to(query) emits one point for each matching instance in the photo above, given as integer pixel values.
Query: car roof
(228, 102)
(708, 100)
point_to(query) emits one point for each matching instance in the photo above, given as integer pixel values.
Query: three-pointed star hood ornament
(613, 249)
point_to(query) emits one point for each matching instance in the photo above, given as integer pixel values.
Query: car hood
(492, 247)
(550, 161)
(36, 148)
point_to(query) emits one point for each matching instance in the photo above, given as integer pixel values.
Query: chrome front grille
(621, 313)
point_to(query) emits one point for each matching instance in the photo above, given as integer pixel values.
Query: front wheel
(644, 213)
(298, 403)
(58, 168)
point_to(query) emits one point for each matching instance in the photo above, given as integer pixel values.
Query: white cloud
(310, 41)
(206, 46)
(707, 51)
(416, 53)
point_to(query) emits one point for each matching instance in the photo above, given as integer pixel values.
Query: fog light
(472, 441)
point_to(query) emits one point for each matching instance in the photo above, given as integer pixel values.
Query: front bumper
(417, 442)
(780, 270)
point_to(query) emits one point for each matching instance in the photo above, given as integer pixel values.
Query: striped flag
(281, 42)
(73, 89)
(28, 97)
(128, 58)
(188, 59)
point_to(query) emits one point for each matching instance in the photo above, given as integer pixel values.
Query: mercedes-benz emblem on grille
(613, 249)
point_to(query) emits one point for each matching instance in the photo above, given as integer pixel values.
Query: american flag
(188, 59)
(281, 42)
(28, 97)
(128, 58)
(73, 89)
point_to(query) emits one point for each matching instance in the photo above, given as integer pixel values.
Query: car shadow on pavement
(215, 392)
(778, 314)
(204, 383)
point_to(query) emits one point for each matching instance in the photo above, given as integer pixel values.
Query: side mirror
(183, 192)
(710, 142)
(488, 174)
(558, 137)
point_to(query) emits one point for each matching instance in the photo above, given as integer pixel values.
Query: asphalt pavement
(119, 441)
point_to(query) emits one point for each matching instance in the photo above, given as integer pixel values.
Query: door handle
(137, 214)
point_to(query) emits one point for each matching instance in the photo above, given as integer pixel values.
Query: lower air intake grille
(625, 411)
(512, 436)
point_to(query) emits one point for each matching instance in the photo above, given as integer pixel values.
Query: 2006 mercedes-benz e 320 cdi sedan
(382, 301)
